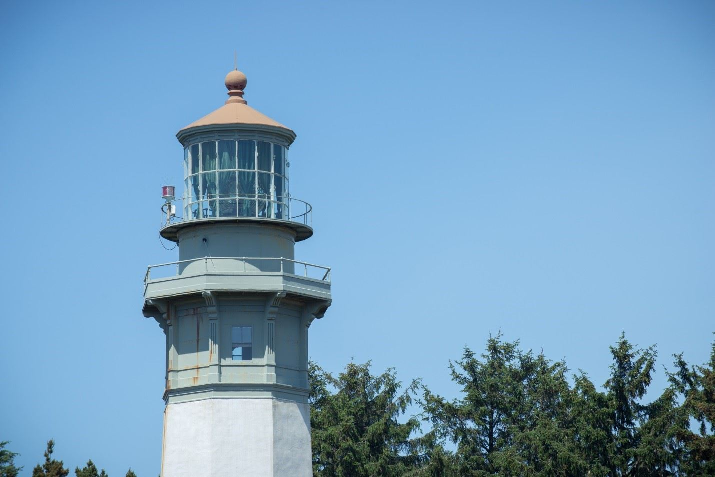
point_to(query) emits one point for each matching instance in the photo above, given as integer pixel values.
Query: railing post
(206, 265)
(281, 264)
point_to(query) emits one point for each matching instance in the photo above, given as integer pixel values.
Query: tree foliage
(520, 414)
(51, 467)
(7, 462)
(55, 468)
(516, 416)
(697, 385)
(89, 470)
(355, 423)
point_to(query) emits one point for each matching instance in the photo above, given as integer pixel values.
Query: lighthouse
(236, 306)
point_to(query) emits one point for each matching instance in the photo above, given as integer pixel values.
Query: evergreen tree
(697, 385)
(592, 421)
(545, 427)
(130, 473)
(631, 374)
(51, 467)
(479, 422)
(435, 462)
(354, 420)
(7, 462)
(660, 450)
(515, 417)
(519, 415)
(89, 470)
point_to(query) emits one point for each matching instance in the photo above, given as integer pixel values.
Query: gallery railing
(249, 206)
(239, 265)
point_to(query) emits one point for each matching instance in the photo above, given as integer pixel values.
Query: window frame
(242, 343)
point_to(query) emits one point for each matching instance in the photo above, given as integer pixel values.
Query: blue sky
(543, 169)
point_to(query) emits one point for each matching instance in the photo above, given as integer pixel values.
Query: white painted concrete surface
(237, 437)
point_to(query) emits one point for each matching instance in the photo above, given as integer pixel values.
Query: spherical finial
(235, 83)
(235, 80)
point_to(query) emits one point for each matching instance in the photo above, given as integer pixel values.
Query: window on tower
(242, 343)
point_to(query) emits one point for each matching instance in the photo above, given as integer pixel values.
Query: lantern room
(235, 178)
(236, 169)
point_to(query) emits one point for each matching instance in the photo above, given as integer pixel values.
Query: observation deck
(294, 214)
(247, 274)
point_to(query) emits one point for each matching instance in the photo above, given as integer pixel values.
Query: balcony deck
(238, 274)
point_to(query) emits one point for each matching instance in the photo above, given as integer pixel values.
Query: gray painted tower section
(236, 306)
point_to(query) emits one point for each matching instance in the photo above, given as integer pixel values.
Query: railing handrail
(326, 276)
(216, 196)
(304, 217)
(208, 257)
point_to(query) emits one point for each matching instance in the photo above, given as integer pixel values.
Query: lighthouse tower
(237, 305)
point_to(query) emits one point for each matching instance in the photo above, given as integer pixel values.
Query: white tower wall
(237, 437)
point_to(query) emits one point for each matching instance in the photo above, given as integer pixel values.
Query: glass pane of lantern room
(247, 155)
(208, 183)
(247, 194)
(195, 195)
(278, 159)
(208, 156)
(187, 197)
(227, 154)
(264, 195)
(187, 189)
(227, 184)
(186, 162)
(246, 184)
(264, 156)
(227, 193)
(194, 159)
(280, 198)
(286, 173)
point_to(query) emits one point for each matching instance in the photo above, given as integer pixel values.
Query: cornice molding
(284, 137)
